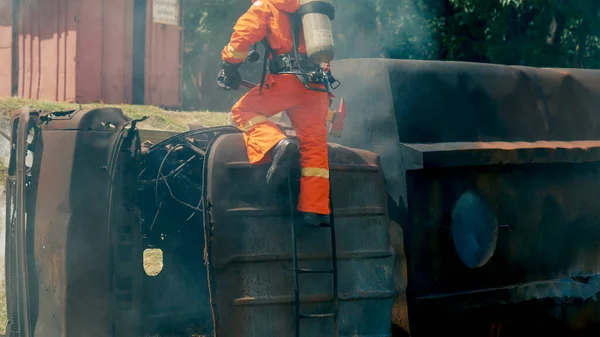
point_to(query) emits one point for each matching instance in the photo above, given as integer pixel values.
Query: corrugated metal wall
(5, 47)
(47, 40)
(164, 62)
(75, 50)
(104, 51)
(82, 51)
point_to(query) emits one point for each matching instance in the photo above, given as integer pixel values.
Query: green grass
(159, 118)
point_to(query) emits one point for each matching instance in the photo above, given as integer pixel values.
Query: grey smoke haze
(378, 29)
(384, 28)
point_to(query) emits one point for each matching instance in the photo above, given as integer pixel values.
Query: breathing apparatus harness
(298, 64)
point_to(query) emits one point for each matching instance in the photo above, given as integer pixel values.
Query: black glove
(229, 78)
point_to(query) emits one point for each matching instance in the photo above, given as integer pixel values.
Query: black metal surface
(177, 300)
(527, 140)
(292, 209)
(251, 258)
(393, 103)
(21, 228)
(17, 253)
(299, 271)
(12, 327)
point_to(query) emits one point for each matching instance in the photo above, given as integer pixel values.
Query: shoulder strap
(268, 52)
(296, 21)
(296, 24)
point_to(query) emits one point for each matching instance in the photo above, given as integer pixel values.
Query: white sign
(165, 12)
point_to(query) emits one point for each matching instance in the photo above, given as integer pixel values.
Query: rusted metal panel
(164, 62)
(19, 226)
(416, 102)
(117, 41)
(83, 253)
(251, 248)
(128, 40)
(47, 39)
(90, 51)
(104, 51)
(71, 50)
(46, 50)
(28, 58)
(526, 141)
(6, 38)
(465, 154)
(67, 78)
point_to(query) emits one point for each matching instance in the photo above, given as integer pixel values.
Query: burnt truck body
(86, 198)
(492, 173)
(483, 179)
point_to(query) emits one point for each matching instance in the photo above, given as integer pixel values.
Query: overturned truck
(86, 199)
(492, 174)
(464, 198)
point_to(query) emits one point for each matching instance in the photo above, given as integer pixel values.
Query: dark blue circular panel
(474, 230)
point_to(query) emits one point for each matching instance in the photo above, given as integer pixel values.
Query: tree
(543, 33)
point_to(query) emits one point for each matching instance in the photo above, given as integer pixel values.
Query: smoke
(401, 29)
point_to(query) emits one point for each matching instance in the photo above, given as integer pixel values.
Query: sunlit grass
(159, 119)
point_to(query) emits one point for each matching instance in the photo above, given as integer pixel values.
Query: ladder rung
(319, 226)
(309, 316)
(314, 271)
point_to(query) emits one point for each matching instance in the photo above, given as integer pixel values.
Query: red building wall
(164, 62)
(47, 37)
(5, 48)
(82, 51)
(104, 55)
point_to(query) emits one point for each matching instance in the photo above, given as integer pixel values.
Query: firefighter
(306, 104)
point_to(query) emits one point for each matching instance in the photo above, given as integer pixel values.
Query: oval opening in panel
(153, 261)
(474, 230)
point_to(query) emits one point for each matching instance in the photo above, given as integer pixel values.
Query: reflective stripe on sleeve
(236, 54)
(315, 172)
(253, 122)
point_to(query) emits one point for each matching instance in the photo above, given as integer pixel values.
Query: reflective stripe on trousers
(307, 111)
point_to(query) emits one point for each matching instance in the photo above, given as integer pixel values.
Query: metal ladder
(299, 271)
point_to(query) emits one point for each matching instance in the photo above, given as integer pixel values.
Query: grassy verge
(159, 119)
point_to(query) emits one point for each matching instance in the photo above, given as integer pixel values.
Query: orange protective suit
(306, 109)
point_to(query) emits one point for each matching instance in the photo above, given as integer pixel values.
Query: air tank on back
(316, 22)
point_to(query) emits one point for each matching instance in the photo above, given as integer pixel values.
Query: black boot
(316, 220)
(284, 155)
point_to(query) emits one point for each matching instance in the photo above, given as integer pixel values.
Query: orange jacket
(265, 18)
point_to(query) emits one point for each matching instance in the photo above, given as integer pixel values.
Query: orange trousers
(307, 111)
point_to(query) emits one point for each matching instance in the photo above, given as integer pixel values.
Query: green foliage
(543, 33)
(549, 33)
